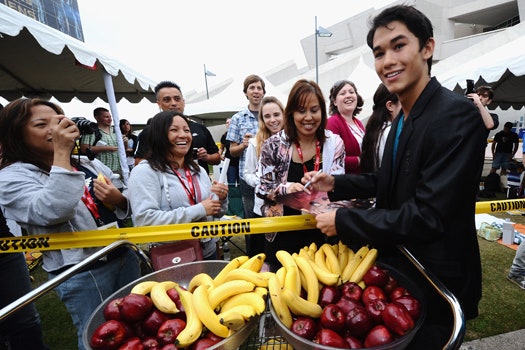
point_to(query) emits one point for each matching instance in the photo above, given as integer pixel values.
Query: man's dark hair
(415, 21)
(485, 89)
(166, 84)
(99, 110)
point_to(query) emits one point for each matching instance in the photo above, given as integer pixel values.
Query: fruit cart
(261, 333)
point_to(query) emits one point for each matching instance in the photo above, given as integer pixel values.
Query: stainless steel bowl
(399, 344)
(182, 274)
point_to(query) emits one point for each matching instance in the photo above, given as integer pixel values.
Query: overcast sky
(173, 39)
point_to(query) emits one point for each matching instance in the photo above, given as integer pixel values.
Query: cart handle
(47, 286)
(458, 331)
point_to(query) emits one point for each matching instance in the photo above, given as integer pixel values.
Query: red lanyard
(88, 200)
(190, 189)
(317, 155)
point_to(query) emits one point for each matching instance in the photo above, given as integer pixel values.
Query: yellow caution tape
(146, 234)
(495, 206)
(164, 233)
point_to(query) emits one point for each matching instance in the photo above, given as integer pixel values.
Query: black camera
(84, 125)
(470, 87)
(195, 153)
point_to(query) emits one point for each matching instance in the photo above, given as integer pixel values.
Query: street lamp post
(319, 32)
(206, 74)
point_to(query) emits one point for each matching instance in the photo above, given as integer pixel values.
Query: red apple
(379, 335)
(375, 309)
(174, 296)
(333, 318)
(329, 295)
(397, 318)
(353, 342)
(203, 344)
(111, 310)
(109, 335)
(152, 322)
(213, 336)
(305, 327)
(375, 276)
(134, 307)
(169, 347)
(151, 343)
(373, 292)
(352, 291)
(329, 337)
(358, 321)
(347, 304)
(398, 292)
(412, 304)
(390, 285)
(132, 344)
(169, 330)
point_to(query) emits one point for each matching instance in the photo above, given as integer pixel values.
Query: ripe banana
(193, 329)
(143, 287)
(198, 279)
(312, 283)
(262, 291)
(300, 306)
(249, 298)
(232, 265)
(248, 275)
(365, 264)
(292, 280)
(276, 343)
(254, 263)
(227, 289)
(353, 263)
(281, 275)
(206, 313)
(331, 260)
(344, 255)
(247, 311)
(160, 298)
(279, 305)
(325, 277)
(232, 319)
(320, 259)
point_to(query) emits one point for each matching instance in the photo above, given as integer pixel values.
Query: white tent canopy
(37, 60)
(498, 61)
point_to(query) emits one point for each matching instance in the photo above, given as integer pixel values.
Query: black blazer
(426, 199)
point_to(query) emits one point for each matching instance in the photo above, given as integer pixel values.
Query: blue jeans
(22, 329)
(85, 291)
(518, 263)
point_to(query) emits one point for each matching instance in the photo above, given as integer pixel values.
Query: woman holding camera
(47, 190)
(169, 187)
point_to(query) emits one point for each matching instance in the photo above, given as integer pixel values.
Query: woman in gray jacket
(47, 190)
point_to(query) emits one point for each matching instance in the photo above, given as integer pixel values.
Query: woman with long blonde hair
(270, 122)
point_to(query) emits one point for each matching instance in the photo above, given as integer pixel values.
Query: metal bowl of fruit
(334, 326)
(182, 275)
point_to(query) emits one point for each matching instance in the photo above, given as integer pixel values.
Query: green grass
(501, 309)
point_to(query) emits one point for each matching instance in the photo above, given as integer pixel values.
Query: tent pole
(110, 92)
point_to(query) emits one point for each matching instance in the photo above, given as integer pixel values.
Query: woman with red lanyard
(345, 104)
(304, 145)
(46, 189)
(169, 187)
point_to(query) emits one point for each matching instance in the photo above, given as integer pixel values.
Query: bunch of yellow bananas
(309, 270)
(222, 304)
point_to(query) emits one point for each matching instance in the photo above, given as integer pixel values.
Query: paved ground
(507, 341)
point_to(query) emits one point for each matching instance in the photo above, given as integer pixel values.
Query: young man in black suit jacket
(426, 187)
